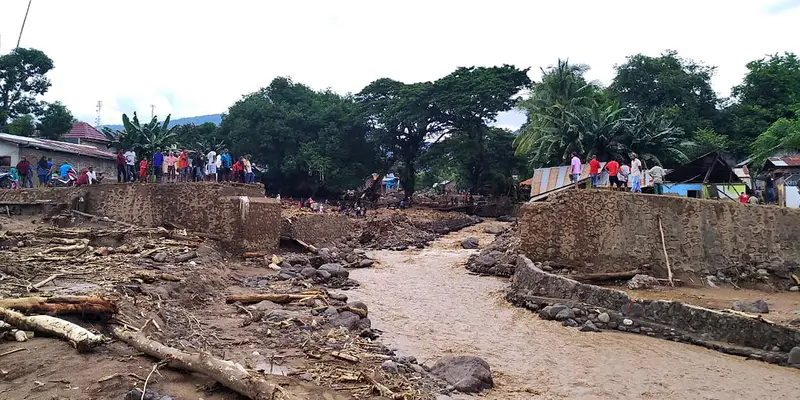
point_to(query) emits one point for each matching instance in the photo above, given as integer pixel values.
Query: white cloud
(193, 58)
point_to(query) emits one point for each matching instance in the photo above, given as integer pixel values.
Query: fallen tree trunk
(229, 374)
(78, 337)
(604, 276)
(96, 307)
(279, 298)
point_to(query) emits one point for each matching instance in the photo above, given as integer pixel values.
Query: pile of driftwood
(47, 321)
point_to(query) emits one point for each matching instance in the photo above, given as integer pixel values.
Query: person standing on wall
(613, 170)
(211, 159)
(42, 171)
(226, 166)
(158, 161)
(769, 186)
(636, 174)
(122, 169)
(143, 171)
(130, 163)
(594, 170)
(657, 174)
(576, 169)
(23, 167)
(170, 161)
(199, 161)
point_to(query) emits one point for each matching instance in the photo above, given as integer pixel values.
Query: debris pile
(499, 257)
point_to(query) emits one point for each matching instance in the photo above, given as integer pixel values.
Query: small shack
(707, 177)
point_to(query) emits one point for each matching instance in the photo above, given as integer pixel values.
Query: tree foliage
(22, 126)
(783, 136)
(55, 121)
(308, 140)
(204, 137)
(669, 82)
(145, 139)
(706, 141)
(22, 78)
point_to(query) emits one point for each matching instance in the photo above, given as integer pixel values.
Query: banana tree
(145, 139)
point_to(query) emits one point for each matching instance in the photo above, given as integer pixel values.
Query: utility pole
(99, 107)
(23, 23)
(152, 110)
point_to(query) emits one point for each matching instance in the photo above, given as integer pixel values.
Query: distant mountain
(202, 119)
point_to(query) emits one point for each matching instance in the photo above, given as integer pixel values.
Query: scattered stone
(470, 243)
(284, 276)
(604, 318)
(570, 323)
(359, 305)
(550, 312)
(366, 263)
(547, 268)
(588, 326)
(565, 314)
(613, 325)
(506, 218)
(330, 311)
(390, 367)
(642, 282)
(493, 230)
(485, 261)
(359, 251)
(346, 319)
(338, 296)
(335, 269)
(467, 374)
(159, 257)
(306, 377)
(794, 356)
(308, 272)
(633, 310)
(627, 322)
(756, 307)
(762, 272)
(185, 256)
(794, 289)
(323, 275)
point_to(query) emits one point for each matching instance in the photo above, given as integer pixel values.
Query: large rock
(642, 282)
(485, 261)
(335, 269)
(470, 243)
(467, 374)
(349, 320)
(550, 312)
(359, 305)
(565, 314)
(308, 272)
(493, 230)
(794, 356)
(756, 307)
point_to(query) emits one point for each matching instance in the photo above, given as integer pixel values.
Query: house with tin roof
(13, 148)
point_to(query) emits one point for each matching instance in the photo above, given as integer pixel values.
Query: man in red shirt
(613, 169)
(83, 179)
(594, 169)
(122, 171)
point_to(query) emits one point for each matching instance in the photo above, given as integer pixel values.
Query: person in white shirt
(130, 162)
(92, 176)
(636, 174)
(211, 166)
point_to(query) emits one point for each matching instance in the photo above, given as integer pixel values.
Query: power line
(23, 22)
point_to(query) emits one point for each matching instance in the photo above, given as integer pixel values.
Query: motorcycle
(70, 180)
(5, 180)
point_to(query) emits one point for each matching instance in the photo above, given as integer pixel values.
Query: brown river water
(429, 306)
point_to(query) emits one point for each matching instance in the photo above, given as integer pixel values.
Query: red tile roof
(54, 145)
(84, 131)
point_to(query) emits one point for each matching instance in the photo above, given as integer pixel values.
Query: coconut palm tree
(654, 138)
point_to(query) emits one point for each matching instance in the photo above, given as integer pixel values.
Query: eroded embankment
(429, 306)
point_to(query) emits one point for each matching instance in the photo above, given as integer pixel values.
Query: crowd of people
(621, 176)
(184, 166)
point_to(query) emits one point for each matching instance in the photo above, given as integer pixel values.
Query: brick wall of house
(79, 162)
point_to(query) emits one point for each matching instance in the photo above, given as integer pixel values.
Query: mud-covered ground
(172, 286)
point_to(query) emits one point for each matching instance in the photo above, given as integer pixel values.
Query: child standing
(143, 170)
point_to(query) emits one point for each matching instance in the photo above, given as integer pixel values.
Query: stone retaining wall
(601, 230)
(533, 288)
(238, 214)
(318, 229)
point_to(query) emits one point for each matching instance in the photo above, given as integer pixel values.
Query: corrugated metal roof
(82, 130)
(549, 178)
(54, 145)
(792, 161)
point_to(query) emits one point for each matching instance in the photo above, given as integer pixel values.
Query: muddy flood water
(429, 306)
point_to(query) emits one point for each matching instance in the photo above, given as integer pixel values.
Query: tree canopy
(22, 79)
(55, 121)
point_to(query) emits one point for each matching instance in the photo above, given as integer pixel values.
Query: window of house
(694, 193)
(5, 162)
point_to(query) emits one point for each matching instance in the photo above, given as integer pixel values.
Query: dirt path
(429, 307)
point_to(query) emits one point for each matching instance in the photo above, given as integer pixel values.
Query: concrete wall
(600, 230)
(318, 229)
(12, 152)
(239, 214)
(531, 288)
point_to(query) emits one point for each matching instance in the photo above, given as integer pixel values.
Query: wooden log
(279, 298)
(664, 247)
(65, 249)
(253, 254)
(603, 276)
(229, 374)
(78, 337)
(150, 277)
(344, 356)
(96, 307)
(185, 256)
(37, 286)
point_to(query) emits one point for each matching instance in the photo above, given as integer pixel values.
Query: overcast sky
(197, 57)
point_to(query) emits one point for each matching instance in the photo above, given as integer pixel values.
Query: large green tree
(22, 79)
(783, 136)
(206, 136)
(769, 91)
(402, 118)
(670, 82)
(308, 140)
(469, 99)
(55, 121)
(22, 126)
